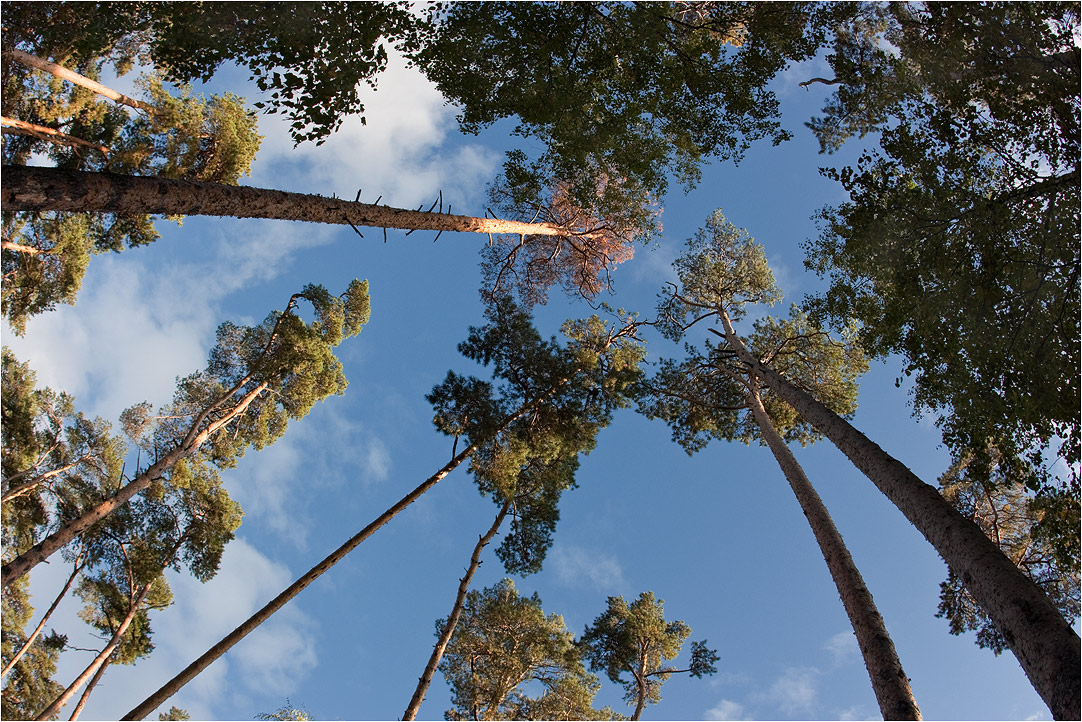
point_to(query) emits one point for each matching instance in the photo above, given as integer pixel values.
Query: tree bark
(641, 680)
(28, 188)
(41, 551)
(1047, 648)
(452, 620)
(889, 681)
(92, 668)
(72, 77)
(78, 567)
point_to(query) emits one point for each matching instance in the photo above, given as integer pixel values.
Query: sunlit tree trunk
(41, 132)
(452, 619)
(889, 680)
(71, 530)
(72, 77)
(1045, 645)
(28, 188)
(89, 688)
(99, 660)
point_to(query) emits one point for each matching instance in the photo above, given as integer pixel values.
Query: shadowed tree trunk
(1045, 645)
(452, 619)
(28, 188)
(889, 680)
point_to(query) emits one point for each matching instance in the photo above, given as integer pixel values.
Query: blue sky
(718, 536)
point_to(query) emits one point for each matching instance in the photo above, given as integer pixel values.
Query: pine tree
(634, 639)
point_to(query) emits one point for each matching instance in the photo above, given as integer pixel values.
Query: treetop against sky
(947, 216)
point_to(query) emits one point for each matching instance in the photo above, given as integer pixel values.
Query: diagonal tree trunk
(1045, 645)
(452, 619)
(889, 680)
(72, 77)
(28, 188)
(89, 688)
(77, 567)
(99, 660)
(41, 132)
(41, 551)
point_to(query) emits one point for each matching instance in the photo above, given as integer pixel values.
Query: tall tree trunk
(452, 620)
(72, 77)
(173, 686)
(76, 568)
(92, 668)
(641, 680)
(41, 132)
(41, 551)
(28, 188)
(889, 680)
(89, 688)
(1047, 648)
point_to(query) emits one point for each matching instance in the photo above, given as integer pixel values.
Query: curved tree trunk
(889, 680)
(78, 567)
(452, 620)
(1047, 648)
(41, 551)
(99, 660)
(28, 188)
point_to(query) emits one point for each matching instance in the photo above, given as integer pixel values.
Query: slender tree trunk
(20, 248)
(28, 188)
(72, 77)
(173, 686)
(28, 486)
(452, 620)
(1045, 645)
(89, 688)
(21, 127)
(92, 668)
(640, 679)
(41, 551)
(889, 680)
(77, 567)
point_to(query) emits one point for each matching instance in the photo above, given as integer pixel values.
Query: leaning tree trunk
(1048, 649)
(89, 689)
(27, 188)
(72, 77)
(889, 680)
(189, 673)
(76, 568)
(452, 619)
(93, 667)
(41, 551)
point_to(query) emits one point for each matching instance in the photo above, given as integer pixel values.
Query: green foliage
(174, 713)
(546, 405)
(704, 396)
(504, 642)
(29, 686)
(286, 712)
(51, 454)
(959, 247)
(632, 642)
(1037, 532)
(630, 91)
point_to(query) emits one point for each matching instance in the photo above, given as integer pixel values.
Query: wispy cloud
(795, 691)
(843, 647)
(576, 566)
(726, 709)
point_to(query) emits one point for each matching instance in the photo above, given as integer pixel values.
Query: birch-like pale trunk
(889, 681)
(71, 76)
(93, 667)
(1048, 650)
(28, 188)
(76, 568)
(452, 619)
(641, 678)
(41, 551)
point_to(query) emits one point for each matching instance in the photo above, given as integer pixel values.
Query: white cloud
(726, 710)
(843, 646)
(377, 463)
(795, 691)
(397, 154)
(576, 566)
